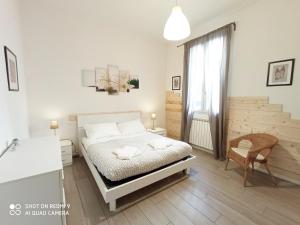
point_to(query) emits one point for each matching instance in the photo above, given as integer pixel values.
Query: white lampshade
(153, 116)
(54, 124)
(177, 26)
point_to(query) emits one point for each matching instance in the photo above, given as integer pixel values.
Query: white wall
(63, 38)
(174, 65)
(13, 105)
(266, 31)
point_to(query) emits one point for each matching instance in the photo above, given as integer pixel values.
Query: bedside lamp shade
(153, 116)
(53, 124)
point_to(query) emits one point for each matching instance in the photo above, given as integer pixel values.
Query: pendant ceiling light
(177, 26)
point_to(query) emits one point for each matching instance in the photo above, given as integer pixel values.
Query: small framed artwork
(11, 69)
(101, 79)
(134, 82)
(113, 79)
(280, 73)
(124, 79)
(88, 78)
(176, 83)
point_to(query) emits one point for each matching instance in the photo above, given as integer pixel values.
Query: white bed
(154, 165)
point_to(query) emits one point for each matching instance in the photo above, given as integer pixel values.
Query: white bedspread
(101, 154)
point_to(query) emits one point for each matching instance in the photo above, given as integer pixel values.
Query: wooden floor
(209, 196)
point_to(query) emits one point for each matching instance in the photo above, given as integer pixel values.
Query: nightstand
(66, 147)
(158, 130)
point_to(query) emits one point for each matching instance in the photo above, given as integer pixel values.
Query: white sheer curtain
(204, 69)
(196, 79)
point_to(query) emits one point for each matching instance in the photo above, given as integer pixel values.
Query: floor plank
(136, 217)
(197, 203)
(222, 220)
(209, 196)
(194, 215)
(93, 211)
(278, 218)
(174, 215)
(155, 216)
(234, 216)
(76, 216)
(118, 219)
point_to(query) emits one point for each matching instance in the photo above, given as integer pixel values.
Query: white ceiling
(150, 16)
(147, 16)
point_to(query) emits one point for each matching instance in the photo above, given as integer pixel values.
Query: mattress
(100, 152)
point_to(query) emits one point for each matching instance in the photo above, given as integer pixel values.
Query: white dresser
(31, 184)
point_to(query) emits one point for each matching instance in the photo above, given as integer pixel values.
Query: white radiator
(200, 134)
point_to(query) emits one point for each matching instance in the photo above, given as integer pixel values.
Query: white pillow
(100, 130)
(131, 127)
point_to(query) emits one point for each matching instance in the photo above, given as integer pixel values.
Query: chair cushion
(244, 152)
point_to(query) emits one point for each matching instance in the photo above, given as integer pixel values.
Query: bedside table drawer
(66, 150)
(66, 159)
(67, 162)
(66, 146)
(63, 153)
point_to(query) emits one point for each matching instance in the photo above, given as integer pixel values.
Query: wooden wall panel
(258, 100)
(255, 115)
(173, 114)
(256, 107)
(259, 116)
(173, 107)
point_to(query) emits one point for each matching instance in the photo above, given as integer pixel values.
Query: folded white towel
(160, 143)
(127, 152)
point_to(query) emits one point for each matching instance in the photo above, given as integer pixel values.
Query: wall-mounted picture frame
(113, 79)
(176, 83)
(88, 78)
(11, 69)
(280, 73)
(124, 79)
(110, 79)
(101, 79)
(134, 82)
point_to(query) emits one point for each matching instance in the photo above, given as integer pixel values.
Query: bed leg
(113, 205)
(187, 171)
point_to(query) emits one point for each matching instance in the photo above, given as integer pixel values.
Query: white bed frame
(111, 195)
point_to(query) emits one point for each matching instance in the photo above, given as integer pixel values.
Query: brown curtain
(217, 106)
(187, 115)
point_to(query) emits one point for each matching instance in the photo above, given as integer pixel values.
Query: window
(204, 73)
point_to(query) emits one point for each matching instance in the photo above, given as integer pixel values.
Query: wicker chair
(262, 145)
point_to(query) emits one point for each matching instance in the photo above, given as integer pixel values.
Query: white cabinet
(66, 151)
(31, 184)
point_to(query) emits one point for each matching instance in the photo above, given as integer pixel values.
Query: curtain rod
(234, 28)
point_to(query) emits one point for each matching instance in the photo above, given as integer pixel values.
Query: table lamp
(153, 118)
(54, 126)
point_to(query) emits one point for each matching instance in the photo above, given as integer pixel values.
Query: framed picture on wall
(280, 73)
(176, 83)
(11, 69)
